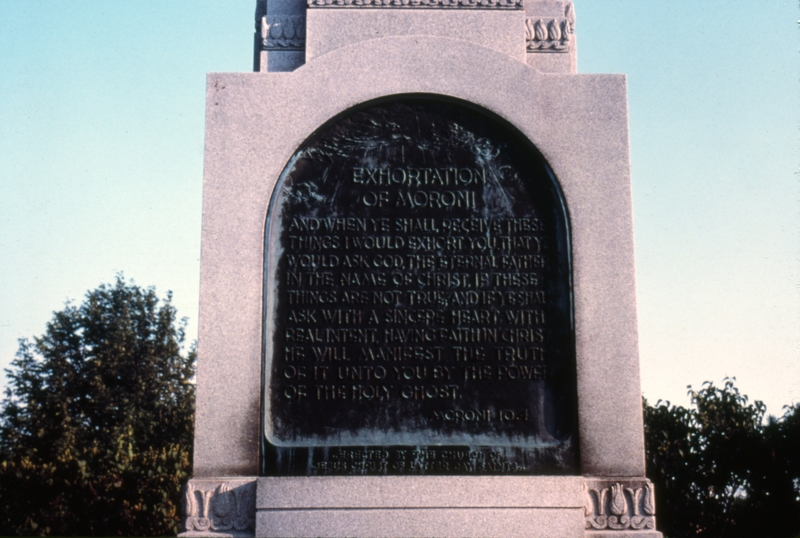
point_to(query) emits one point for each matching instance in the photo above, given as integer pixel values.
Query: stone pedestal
(540, 506)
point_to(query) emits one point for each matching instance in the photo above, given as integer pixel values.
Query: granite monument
(417, 311)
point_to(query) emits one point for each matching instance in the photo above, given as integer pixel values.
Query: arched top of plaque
(418, 295)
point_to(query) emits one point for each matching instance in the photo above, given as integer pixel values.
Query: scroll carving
(478, 4)
(220, 506)
(550, 34)
(286, 32)
(619, 506)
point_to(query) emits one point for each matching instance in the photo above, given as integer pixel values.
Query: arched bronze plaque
(418, 300)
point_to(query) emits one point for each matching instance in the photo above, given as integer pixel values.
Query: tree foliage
(720, 470)
(97, 421)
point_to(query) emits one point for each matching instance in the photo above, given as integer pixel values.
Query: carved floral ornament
(286, 32)
(550, 34)
(478, 4)
(619, 507)
(220, 506)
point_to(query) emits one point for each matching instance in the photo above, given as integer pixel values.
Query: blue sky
(101, 154)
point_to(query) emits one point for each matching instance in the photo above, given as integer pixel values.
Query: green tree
(720, 470)
(97, 421)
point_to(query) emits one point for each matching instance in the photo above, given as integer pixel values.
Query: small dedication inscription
(419, 302)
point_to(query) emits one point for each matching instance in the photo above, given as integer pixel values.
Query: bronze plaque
(418, 300)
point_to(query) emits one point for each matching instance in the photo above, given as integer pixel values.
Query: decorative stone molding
(550, 34)
(225, 506)
(283, 32)
(477, 4)
(624, 505)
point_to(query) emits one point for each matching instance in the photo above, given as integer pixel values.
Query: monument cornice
(417, 4)
(283, 32)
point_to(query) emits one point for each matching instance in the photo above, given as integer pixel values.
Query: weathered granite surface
(579, 123)
(421, 506)
(499, 30)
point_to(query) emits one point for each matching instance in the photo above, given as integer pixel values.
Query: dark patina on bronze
(418, 300)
